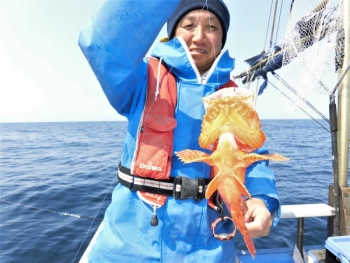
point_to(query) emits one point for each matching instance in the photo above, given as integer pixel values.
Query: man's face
(202, 33)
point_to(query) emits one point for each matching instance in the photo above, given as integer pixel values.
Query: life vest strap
(180, 187)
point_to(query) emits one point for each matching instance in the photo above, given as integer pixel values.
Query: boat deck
(314, 254)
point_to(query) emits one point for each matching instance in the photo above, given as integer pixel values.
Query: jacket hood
(175, 54)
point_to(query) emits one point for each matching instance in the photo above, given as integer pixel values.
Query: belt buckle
(186, 187)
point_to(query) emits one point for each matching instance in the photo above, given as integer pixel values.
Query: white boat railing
(302, 211)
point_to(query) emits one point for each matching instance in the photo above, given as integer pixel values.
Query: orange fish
(231, 128)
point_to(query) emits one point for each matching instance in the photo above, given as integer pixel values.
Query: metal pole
(334, 141)
(344, 102)
(273, 23)
(300, 234)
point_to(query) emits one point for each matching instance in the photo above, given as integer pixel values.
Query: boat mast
(340, 136)
(344, 102)
(344, 120)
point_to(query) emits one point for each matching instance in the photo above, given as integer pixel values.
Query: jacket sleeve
(115, 43)
(261, 183)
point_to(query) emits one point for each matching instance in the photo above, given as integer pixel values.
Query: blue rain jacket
(115, 43)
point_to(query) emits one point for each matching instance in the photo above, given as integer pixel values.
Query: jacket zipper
(200, 79)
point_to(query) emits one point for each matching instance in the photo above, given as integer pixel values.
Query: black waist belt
(180, 187)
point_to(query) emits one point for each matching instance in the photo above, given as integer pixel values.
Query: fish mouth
(231, 110)
(243, 146)
(235, 141)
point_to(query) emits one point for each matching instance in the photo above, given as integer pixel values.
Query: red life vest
(155, 141)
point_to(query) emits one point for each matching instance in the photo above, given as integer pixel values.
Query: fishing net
(313, 49)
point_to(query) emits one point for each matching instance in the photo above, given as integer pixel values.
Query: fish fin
(190, 156)
(253, 157)
(241, 187)
(276, 157)
(212, 186)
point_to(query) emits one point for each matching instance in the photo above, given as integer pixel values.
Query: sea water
(56, 181)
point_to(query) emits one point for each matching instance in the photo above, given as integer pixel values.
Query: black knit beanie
(217, 7)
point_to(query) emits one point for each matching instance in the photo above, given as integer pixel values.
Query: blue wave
(53, 170)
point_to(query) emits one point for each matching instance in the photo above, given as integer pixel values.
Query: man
(146, 223)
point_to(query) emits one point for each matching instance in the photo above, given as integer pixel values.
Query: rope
(256, 93)
(303, 99)
(340, 79)
(299, 107)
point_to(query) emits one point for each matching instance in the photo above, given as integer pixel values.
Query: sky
(44, 76)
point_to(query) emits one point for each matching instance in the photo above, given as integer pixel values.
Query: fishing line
(299, 96)
(256, 92)
(234, 253)
(52, 211)
(298, 106)
(98, 210)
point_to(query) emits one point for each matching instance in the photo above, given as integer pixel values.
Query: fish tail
(249, 243)
(240, 223)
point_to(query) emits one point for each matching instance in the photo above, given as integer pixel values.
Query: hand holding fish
(258, 218)
(231, 128)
